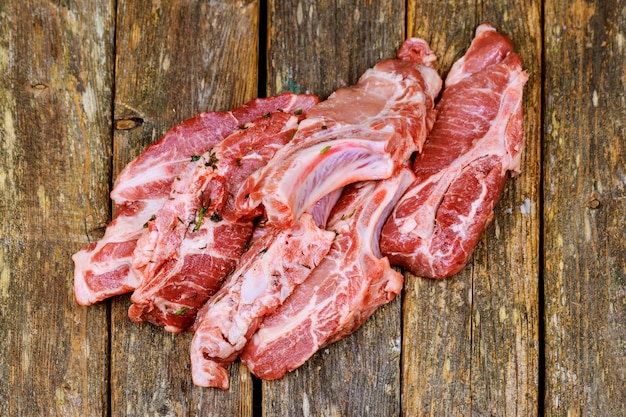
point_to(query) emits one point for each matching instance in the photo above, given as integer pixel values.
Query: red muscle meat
(104, 268)
(278, 261)
(475, 142)
(350, 283)
(270, 231)
(359, 133)
(196, 239)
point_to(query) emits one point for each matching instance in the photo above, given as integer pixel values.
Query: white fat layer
(148, 175)
(372, 163)
(123, 229)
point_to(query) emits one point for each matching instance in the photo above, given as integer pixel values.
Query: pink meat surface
(277, 262)
(359, 133)
(350, 283)
(195, 239)
(475, 142)
(153, 171)
(103, 268)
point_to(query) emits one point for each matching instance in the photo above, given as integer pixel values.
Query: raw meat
(196, 239)
(350, 283)
(277, 262)
(154, 170)
(475, 142)
(359, 133)
(323, 221)
(103, 268)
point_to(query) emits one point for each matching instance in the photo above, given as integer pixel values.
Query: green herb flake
(212, 161)
(194, 158)
(325, 149)
(344, 217)
(262, 251)
(267, 115)
(180, 311)
(293, 135)
(298, 112)
(152, 218)
(200, 217)
(216, 217)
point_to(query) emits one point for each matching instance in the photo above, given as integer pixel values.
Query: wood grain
(471, 342)
(174, 60)
(318, 47)
(585, 208)
(56, 63)
(323, 45)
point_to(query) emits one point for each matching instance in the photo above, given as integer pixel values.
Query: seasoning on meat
(359, 133)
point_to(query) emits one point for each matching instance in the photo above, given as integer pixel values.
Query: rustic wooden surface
(534, 325)
(585, 209)
(56, 72)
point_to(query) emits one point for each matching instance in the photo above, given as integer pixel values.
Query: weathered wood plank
(56, 73)
(320, 46)
(585, 208)
(174, 60)
(471, 342)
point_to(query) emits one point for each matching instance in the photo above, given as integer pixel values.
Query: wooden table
(535, 324)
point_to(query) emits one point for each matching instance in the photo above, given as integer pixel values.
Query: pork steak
(475, 143)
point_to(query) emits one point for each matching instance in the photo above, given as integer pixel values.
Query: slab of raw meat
(277, 262)
(475, 143)
(350, 283)
(359, 133)
(196, 239)
(103, 268)
(154, 170)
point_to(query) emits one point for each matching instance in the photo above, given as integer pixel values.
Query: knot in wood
(594, 203)
(128, 124)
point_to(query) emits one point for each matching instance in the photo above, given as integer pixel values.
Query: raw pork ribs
(270, 231)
